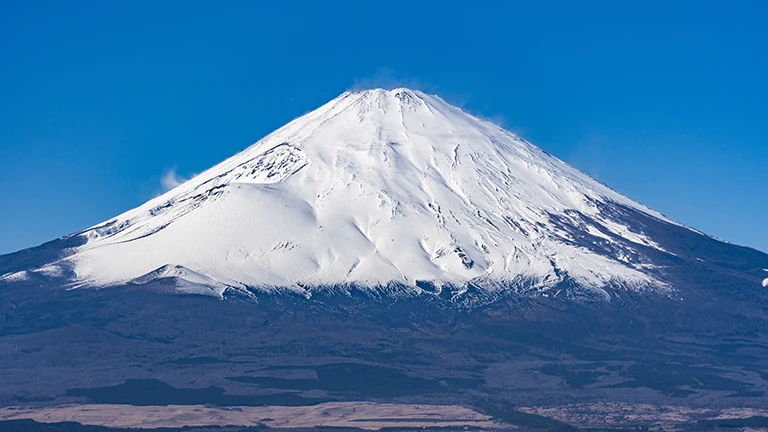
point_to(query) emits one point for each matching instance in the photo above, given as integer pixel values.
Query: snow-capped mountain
(376, 189)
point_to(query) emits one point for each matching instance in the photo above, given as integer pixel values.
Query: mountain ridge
(378, 188)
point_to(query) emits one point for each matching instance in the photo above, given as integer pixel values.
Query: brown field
(365, 415)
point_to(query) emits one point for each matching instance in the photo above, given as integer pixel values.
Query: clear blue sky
(666, 102)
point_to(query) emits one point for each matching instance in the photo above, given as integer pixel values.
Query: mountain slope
(379, 188)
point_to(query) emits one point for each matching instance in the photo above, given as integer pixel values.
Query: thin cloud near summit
(171, 179)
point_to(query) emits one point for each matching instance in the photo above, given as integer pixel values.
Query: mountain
(390, 247)
(392, 190)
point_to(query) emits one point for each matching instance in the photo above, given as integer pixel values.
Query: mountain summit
(381, 189)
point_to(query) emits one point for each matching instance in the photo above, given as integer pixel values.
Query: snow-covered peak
(404, 95)
(373, 188)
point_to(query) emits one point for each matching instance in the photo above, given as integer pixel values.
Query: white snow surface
(373, 188)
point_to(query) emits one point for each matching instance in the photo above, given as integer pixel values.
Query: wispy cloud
(171, 179)
(499, 120)
(386, 78)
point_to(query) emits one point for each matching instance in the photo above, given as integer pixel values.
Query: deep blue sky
(665, 102)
